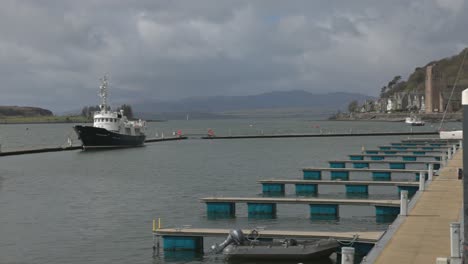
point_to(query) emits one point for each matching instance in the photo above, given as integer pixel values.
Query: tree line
(88, 111)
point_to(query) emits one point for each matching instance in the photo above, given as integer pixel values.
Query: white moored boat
(111, 129)
(414, 121)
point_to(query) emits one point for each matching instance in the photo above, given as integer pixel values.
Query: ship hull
(95, 137)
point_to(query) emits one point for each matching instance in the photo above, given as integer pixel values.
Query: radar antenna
(103, 93)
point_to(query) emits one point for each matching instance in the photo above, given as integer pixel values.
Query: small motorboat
(239, 247)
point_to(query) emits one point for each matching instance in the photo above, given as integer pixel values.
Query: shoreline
(397, 117)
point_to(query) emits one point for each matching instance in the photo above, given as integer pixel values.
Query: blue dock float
(337, 164)
(324, 211)
(312, 175)
(263, 207)
(385, 214)
(357, 190)
(340, 175)
(306, 189)
(353, 188)
(183, 243)
(381, 176)
(220, 210)
(273, 189)
(262, 210)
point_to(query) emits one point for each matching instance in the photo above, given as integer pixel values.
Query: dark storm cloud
(53, 52)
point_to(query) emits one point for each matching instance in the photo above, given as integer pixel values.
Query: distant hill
(444, 69)
(273, 102)
(23, 111)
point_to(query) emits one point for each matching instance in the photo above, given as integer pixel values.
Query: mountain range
(268, 104)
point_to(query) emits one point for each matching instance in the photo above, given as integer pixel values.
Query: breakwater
(69, 148)
(370, 134)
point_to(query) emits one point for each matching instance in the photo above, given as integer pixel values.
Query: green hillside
(445, 69)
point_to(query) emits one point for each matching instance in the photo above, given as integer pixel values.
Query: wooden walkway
(425, 233)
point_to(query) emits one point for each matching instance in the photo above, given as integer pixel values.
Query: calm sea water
(97, 207)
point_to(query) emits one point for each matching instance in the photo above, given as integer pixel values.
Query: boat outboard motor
(235, 236)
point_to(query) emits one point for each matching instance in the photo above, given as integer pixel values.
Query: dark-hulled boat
(238, 247)
(111, 129)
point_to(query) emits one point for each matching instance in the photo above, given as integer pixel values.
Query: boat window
(107, 120)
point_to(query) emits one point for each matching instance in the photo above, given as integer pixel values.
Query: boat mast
(103, 93)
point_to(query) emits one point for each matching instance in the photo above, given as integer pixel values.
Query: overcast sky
(52, 53)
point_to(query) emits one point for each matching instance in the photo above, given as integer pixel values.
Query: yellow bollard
(159, 223)
(154, 225)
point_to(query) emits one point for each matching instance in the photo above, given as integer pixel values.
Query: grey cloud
(53, 52)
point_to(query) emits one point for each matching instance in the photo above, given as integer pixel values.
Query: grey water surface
(98, 206)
